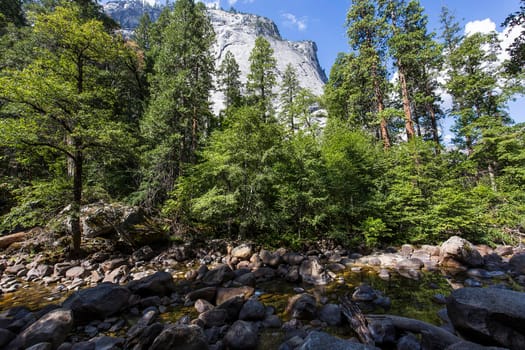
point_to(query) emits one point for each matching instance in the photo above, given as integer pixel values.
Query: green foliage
(37, 202)
(178, 115)
(374, 231)
(262, 76)
(229, 79)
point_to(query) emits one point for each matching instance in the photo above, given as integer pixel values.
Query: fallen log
(357, 320)
(6, 241)
(436, 337)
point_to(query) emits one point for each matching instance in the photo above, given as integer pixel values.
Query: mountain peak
(236, 32)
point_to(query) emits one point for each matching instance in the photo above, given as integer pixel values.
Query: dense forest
(87, 115)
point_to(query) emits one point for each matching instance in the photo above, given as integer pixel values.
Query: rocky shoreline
(118, 301)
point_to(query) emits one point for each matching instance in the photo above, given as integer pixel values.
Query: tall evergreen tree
(262, 75)
(367, 34)
(416, 57)
(517, 48)
(178, 115)
(289, 90)
(230, 80)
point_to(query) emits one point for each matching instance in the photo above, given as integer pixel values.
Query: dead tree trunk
(357, 320)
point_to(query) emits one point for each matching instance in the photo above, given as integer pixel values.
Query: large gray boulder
(160, 283)
(218, 275)
(181, 337)
(98, 302)
(51, 328)
(320, 340)
(517, 264)
(312, 272)
(489, 316)
(302, 306)
(242, 335)
(461, 250)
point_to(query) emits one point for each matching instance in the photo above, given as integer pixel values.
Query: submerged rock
(302, 306)
(320, 340)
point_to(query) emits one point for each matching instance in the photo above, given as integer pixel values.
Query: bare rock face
(236, 33)
(489, 316)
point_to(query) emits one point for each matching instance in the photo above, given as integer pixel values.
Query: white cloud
(233, 2)
(213, 4)
(481, 26)
(292, 21)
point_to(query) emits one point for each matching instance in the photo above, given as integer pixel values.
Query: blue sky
(324, 22)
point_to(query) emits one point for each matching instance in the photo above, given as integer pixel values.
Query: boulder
(270, 259)
(242, 335)
(408, 342)
(98, 302)
(180, 337)
(489, 316)
(218, 275)
(5, 337)
(143, 337)
(293, 258)
(320, 340)
(224, 294)
(51, 328)
(39, 272)
(410, 264)
(466, 345)
(213, 318)
(100, 219)
(517, 264)
(202, 305)
(233, 307)
(364, 293)
(252, 310)
(243, 252)
(207, 294)
(302, 306)
(76, 272)
(331, 314)
(160, 284)
(312, 272)
(460, 249)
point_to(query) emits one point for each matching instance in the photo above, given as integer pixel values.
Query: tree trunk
(380, 108)
(492, 176)
(433, 121)
(409, 123)
(76, 230)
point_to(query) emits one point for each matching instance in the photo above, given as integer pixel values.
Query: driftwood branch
(357, 320)
(439, 338)
(6, 241)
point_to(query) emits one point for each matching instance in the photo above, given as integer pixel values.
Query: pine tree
(417, 57)
(178, 115)
(367, 34)
(517, 49)
(230, 80)
(262, 75)
(289, 90)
